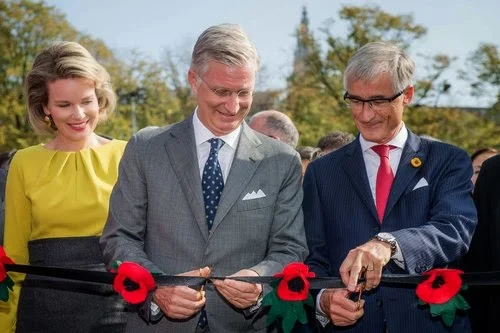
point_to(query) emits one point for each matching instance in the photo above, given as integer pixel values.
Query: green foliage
(465, 129)
(370, 23)
(483, 69)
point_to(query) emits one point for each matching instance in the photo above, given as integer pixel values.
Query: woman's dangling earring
(48, 121)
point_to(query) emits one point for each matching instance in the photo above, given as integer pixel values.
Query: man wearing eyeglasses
(208, 197)
(390, 202)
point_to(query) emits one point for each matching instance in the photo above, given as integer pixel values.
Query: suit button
(377, 229)
(418, 270)
(379, 303)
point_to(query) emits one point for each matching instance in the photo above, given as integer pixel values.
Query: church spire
(302, 50)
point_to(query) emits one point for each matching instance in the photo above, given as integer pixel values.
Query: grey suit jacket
(156, 217)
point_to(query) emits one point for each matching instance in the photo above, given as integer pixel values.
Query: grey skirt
(60, 305)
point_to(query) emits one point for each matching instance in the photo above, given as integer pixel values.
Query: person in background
(208, 196)
(3, 179)
(484, 251)
(57, 197)
(333, 141)
(276, 125)
(478, 158)
(370, 206)
(307, 155)
(5, 159)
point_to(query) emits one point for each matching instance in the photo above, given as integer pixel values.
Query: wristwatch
(389, 239)
(155, 312)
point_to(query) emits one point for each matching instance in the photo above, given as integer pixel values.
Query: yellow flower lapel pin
(416, 162)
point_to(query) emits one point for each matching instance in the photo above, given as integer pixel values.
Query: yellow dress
(54, 194)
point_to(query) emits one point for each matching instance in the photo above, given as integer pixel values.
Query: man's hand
(240, 294)
(373, 255)
(339, 308)
(181, 302)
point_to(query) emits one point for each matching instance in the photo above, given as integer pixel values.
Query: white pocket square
(254, 195)
(421, 183)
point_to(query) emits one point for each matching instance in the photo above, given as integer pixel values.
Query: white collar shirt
(226, 153)
(372, 159)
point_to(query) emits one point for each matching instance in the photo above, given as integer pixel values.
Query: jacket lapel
(246, 161)
(406, 172)
(354, 167)
(181, 150)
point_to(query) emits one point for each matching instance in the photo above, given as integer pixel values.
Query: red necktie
(385, 177)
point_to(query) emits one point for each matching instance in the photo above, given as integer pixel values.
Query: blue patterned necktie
(212, 184)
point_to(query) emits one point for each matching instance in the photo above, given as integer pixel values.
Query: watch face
(385, 235)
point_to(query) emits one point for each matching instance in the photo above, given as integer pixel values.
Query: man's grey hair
(279, 125)
(227, 44)
(376, 58)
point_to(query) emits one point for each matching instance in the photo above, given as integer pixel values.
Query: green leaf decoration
(448, 310)
(115, 265)
(5, 285)
(309, 301)
(289, 312)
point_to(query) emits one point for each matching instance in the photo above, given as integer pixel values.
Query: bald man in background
(277, 125)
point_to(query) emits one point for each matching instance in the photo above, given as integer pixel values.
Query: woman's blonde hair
(65, 60)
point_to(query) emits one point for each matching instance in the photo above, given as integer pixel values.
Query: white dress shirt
(226, 152)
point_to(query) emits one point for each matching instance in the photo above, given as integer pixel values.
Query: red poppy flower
(4, 260)
(133, 282)
(294, 285)
(441, 286)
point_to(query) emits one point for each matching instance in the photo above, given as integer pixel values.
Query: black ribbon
(475, 279)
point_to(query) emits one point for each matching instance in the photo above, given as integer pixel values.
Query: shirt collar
(398, 141)
(202, 133)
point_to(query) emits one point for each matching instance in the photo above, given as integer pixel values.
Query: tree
(483, 74)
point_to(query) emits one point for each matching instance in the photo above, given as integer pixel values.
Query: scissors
(362, 277)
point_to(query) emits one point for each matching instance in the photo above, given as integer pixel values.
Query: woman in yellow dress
(57, 197)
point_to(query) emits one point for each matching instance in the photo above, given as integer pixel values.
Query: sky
(455, 28)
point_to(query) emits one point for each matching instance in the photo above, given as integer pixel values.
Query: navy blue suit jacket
(433, 224)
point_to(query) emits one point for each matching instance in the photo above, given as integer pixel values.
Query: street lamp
(133, 97)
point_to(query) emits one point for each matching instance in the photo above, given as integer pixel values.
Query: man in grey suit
(166, 215)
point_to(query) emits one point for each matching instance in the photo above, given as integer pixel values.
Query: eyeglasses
(376, 104)
(243, 94)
